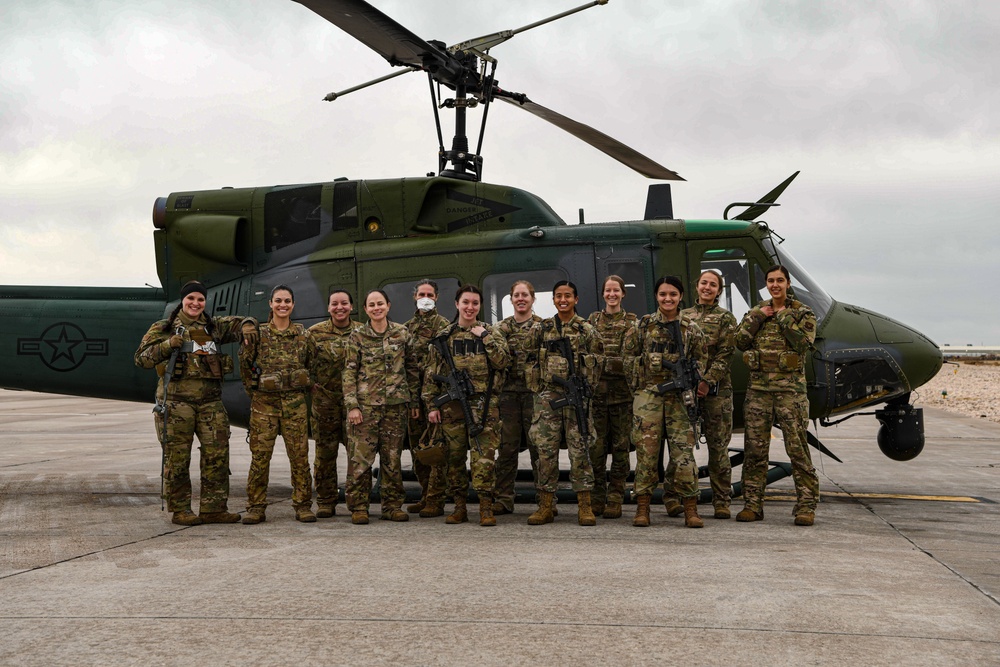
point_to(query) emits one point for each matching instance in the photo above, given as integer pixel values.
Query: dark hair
(674, 281)
(350, 299)
(464, 289)
(778, 267)
(568, 283)
(425, 281)
(209, 324)
(280, 288)
(382, 292)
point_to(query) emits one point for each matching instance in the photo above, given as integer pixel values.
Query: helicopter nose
(918, 356)
(867, 358)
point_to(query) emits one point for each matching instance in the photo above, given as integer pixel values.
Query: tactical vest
(552, 363)
(281, 358)
(612, 329)
(200, 357)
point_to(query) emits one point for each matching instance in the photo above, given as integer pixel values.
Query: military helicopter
(455, 228)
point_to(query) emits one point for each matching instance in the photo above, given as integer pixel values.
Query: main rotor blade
(381, 33)
(602, 142)
(754, 212)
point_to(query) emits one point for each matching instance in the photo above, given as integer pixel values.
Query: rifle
(458, 388)
(685, 380)
(578, 390)
(162, 408)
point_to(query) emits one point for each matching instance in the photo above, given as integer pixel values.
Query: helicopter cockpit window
(291, 216)
(401, 301)
(804, 288)
(496, 293)
(345, 206)
(733, 265)
(634, 275)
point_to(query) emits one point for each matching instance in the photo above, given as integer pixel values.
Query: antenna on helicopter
(463, 68)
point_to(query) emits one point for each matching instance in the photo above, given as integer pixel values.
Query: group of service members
(483, 393)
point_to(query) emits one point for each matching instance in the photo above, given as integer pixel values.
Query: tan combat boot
(486, 517)
(499, 509)
(305, 515)
(673, 506)
(613, 510)
(584, 513)
(805, 518)
(359, 517)
(747, 514)
(543, 514)
(721, 512)
(219, 517)
(691, 518)
(417, 507)
(325, 511)
(254, 515)
(186, 518)
(641, 519)
(598, 505)
(431, 510)
(394, 514)
(459, 515)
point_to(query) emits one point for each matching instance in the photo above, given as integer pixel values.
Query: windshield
(804, 287)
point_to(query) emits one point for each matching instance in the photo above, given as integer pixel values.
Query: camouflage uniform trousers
(612, 426)
(516, 409)
(717, 426)
(432, 479)
(790, 412)
(328, 429)
(461, 447)
(211, 424)
(653, 417)
(270, 414)
(548, 430)
(381, 432)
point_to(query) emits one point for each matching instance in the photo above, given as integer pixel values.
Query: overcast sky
(884, 107)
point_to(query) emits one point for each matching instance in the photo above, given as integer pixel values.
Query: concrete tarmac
(902, 566)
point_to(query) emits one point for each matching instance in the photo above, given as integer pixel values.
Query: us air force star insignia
(63, 346)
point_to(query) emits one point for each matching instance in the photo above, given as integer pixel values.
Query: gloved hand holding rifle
(578, 390)
(686, 378)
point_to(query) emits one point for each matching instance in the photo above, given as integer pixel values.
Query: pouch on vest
(614, 367)
(299, 378)
(789, 361)
(269, 382)
(655, 362)
(752, 359)
(556, 366)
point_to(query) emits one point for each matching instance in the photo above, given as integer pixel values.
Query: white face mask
(425, 304)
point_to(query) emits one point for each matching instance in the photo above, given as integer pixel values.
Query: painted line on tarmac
(887, 496)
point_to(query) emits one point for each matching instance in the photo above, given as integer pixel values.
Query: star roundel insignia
(63, 346)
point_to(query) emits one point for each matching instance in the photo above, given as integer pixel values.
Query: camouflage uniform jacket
(381, 368)
(775, 348)
(282, 357)
(522, 355)
(613, 328)
(649, 348)
(585, 342)
(198, 375)
(422, 327)
(718, 325)
(475, 355)
(328, 350)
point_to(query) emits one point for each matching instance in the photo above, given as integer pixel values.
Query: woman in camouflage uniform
(423, 326)
(275, 373)
(380, 382)
(328, 341)
(193, 402)
(550, 425)
(777, 335)
(516, 400)
(715, 394)
(650, 350)
(612, 403)
(480, 354)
